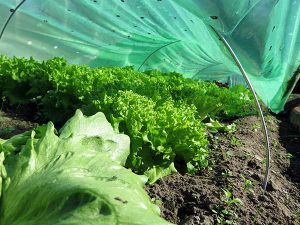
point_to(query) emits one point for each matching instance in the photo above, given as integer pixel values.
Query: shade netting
(168, 35)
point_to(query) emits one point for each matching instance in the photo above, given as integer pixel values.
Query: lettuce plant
(74, 176)
(162, 113)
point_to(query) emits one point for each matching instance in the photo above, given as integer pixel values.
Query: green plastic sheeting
(169, 35)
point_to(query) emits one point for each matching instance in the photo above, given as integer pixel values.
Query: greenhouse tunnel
(168, 35)
(235, 45)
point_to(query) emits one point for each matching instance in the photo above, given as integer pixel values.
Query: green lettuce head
(73, 177)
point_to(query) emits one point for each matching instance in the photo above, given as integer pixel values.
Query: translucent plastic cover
(169, 35)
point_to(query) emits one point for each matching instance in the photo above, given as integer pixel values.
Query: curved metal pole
(268, 148)
(10, 17)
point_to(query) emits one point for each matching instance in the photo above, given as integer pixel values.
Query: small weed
(227, 173)
(229, 200)
(254, 219)
(250, 155)
(7, 130)
(216, 141)
(228, 154)
(269, 118)
(256, 127)
(276, 144)
(248, 186)
(225, 213)
(296, 217)
(235, 142)
(156, 201)
(289, 155)
(264, 162)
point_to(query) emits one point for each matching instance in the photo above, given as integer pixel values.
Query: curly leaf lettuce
(75, 177)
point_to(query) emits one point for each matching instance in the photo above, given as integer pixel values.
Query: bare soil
(238, 165)
(12, 124)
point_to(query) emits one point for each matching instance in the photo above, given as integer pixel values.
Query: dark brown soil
(297, 88)
(12, 124)
(237, 165)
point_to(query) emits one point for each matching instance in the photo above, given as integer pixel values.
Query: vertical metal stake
(268, 148)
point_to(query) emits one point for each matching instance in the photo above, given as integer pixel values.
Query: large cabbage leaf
(75, 177)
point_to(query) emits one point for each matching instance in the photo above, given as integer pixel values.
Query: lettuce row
(162, 113)
(74, 176)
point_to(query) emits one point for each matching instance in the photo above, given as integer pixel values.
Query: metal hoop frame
(258, 106)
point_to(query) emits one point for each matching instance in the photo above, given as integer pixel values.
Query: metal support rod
(265, 130)
(10, 17)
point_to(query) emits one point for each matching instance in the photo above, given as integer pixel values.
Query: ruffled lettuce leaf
(73, 177)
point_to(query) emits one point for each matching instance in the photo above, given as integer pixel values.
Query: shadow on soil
(290, 140)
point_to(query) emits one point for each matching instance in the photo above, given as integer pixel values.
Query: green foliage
(235, 142)
(248, 185)
(227, 173)
(161, 112)
(161, 133)
(225, 212)
(229, 200)
(6, 130)
(73, 177)
(68, 86)
(215, 126)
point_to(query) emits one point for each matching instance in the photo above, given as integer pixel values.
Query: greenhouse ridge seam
(266, 134)
(152, 53)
